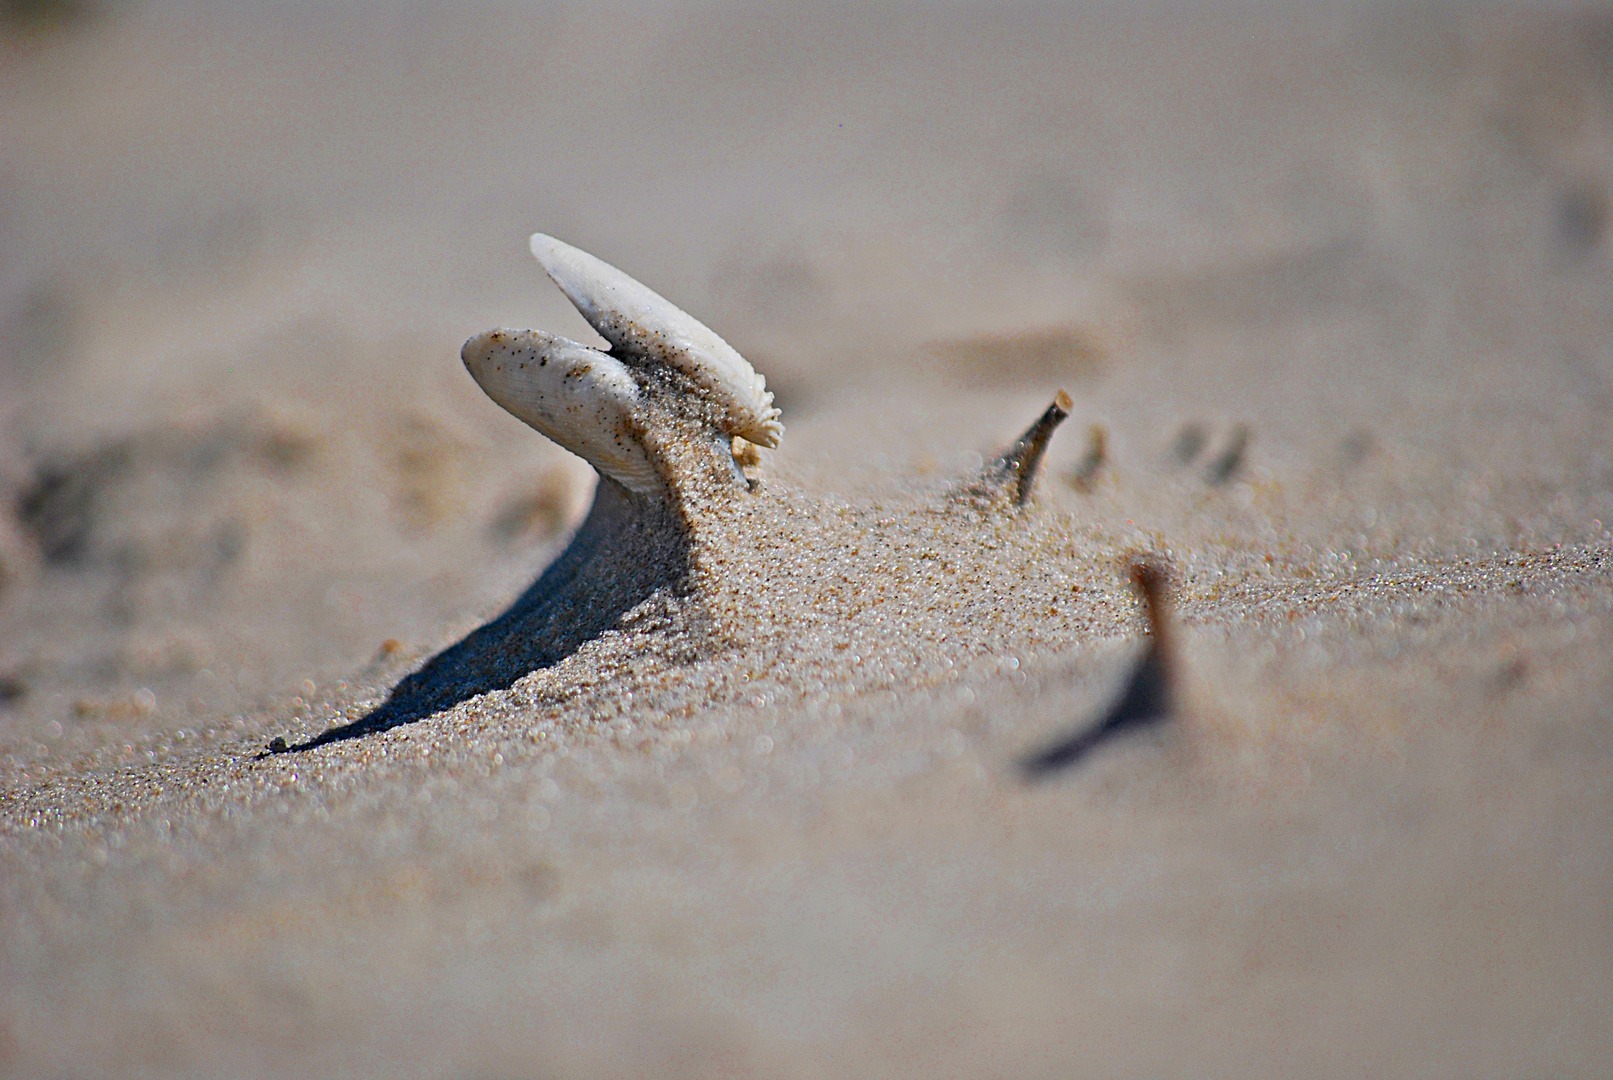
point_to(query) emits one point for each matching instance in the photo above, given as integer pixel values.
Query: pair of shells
(590, 402)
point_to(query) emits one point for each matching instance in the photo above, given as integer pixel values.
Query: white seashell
(581, 398)
(640, 322)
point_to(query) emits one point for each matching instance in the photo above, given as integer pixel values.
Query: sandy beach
(1330, 290)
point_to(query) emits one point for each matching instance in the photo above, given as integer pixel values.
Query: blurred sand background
(247, 485)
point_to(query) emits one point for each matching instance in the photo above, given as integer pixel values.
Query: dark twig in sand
(1085, 476)
(1014, 473)
(1025, 456)
(1189, 443)
(1226, 466)
(1149, 696)
(13, 688)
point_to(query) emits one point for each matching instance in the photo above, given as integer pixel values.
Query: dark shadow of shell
(628, 554)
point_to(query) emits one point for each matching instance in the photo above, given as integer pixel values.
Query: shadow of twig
(1148, 699)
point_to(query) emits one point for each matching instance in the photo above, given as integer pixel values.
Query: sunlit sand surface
(746, 794)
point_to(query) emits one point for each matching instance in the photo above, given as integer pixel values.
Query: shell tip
(542, 246)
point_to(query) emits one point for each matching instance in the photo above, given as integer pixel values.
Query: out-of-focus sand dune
(1336, 285)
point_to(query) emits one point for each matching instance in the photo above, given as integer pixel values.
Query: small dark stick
(1085, 476)
(1226, 466)
(1019, 462)
(1149, 696)
(1151, 580)
(1189, 443)
(12, 688)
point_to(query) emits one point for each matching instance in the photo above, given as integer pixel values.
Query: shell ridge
(638, 321)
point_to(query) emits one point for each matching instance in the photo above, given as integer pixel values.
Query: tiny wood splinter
(1013, 475)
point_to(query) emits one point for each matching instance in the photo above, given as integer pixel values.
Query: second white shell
(581, 398)
(638, 321)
